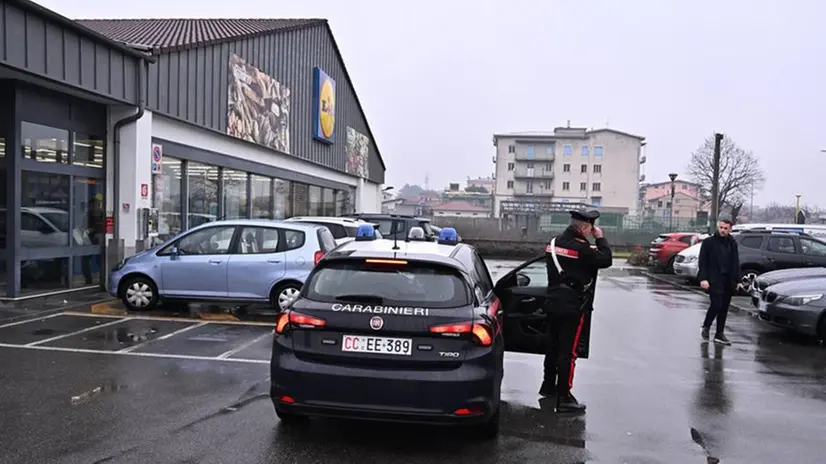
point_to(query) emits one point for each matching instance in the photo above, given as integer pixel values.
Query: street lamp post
(673, 177)
(796, 207)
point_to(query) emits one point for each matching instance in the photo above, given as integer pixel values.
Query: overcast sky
(438, 79)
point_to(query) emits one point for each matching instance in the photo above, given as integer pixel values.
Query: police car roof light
(366, 232)
(448, 236)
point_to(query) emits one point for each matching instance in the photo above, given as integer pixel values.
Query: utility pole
(673, 177)
(715, 183)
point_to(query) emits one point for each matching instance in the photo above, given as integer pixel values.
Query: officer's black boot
(566, 402)
(548, 388)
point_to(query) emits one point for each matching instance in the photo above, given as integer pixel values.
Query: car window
(337, 230)
(258, 240)
(385, 225)
(688, 239)
(209, 241)
(537, 272)
(407, 284)
(60, 220)
(660, 239)
(781, 245)
(812, 247)
(293, 239)
(352, 231)
(30, 222)
(326, 240)
(485, 281)
(751, 242)
(426, 227)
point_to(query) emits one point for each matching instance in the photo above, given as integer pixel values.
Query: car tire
(287, 418)
(748, 274)
(821, 328)
(670, 266)
(139, 293)
(490, 429)
(280, 292)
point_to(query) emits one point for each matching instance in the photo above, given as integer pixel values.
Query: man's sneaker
(704, 333)
(721, 339)
(548, 389)
(567, 403)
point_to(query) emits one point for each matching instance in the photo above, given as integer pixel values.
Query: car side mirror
(522, 280)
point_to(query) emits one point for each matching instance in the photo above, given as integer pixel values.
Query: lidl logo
(324, 115)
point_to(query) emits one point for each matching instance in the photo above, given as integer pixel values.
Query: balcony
(523, 172)
(536, 191)
(538, 155)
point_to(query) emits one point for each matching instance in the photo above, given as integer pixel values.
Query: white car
(343, 229)
(686, 264)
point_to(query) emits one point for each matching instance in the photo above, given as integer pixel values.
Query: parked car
(664, 249)
(396, 226)
(762, 251)
(244, 260)
(686, 264)
(797, 305)
(343, 229)
(764, 281)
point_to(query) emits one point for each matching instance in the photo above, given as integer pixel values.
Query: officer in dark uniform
(568, 291)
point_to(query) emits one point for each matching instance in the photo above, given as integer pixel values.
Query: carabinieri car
(411, 331)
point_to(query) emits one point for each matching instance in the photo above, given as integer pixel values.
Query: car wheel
(139, 293)
(490, 429)
(283, 295)
(821, 328)
(670, 266)
(747, 280)
(287, 418)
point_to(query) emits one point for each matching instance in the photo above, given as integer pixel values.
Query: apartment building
(568, 165)
(656, 199)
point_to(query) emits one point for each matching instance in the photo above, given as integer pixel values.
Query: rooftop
(564, 133)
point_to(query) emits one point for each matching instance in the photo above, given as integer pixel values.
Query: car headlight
(690, 259)
(120, 265)
(800, 300)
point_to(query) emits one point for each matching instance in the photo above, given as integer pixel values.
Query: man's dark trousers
(720, 296)
(564, 329)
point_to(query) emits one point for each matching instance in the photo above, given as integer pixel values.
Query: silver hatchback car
(233, 261)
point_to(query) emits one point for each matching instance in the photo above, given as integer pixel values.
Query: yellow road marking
(217, 317)
(108, 309)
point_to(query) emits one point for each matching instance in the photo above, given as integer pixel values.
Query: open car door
(522, 294)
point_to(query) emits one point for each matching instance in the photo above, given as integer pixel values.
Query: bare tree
(739, 170)
(736, 205)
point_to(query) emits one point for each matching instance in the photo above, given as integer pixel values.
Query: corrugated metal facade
(192, 84)
(32, 43)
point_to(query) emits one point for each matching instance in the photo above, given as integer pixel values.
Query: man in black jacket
(572, 264)
(719, 273)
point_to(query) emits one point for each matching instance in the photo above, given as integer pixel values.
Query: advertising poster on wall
(258, 106)
(357, 151)
(324, 108)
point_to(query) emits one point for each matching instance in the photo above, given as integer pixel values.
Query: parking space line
(129, 349)
(12, 324)
(244, 346)
(77, 332)
(142, 355)
(173, 319)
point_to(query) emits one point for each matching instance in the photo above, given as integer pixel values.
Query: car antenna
(395, 236)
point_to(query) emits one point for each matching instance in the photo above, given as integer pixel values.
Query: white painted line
(141, 355)
(129, 349)
(88, 329)
(12, 324)
(173, 319)
(243, 346)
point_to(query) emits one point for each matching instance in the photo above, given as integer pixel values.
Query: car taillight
(493, 308)
(292, 318)
(317, 256)
(481, 332)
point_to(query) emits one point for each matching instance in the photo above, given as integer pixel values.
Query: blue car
(234, 261)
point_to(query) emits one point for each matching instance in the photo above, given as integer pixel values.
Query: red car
(665, 247)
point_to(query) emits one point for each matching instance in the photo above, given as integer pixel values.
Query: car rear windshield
(356, 281)
(660, 239)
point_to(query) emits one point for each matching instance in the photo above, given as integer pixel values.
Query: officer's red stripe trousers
(573, 350)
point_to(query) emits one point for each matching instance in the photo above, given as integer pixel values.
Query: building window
(566, 168)
(566, 186)
(597, 169)
(45, 144)
(550, 149)
(549, 167)
(510, 184)
(202, 181)
(585, 151)
(510, 166)
(660, 204)
(235, 194)
(511, 148)
(316, 205)
(546, 184)
(567, 150)
(583, 169)
(529, 166)
(583, 186)
(282, 201)
(328, 197)
(87, 150)
(261, 189)
(44, 220)
(301, 199)
(530, 151)
(529, 187)
(598, 150)
(166, 198)
(668, 205)
(595, 187)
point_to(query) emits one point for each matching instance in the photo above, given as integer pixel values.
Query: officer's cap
(585, 216)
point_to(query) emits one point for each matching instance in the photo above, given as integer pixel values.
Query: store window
(3, 208)
(166, 197)
(301, 199)
(202, 181)
(261, 188)
(282, 207)
(89, 228)
(44, 220)
(329, 199)
(45, 144)
(316, 206)
(235, 194)
(87, 151)
(43, 275)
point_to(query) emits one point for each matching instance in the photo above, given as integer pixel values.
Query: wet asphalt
(109, 388)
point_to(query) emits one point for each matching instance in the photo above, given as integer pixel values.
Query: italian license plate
(377, 345)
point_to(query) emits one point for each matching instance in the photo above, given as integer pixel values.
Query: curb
(739, 307)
